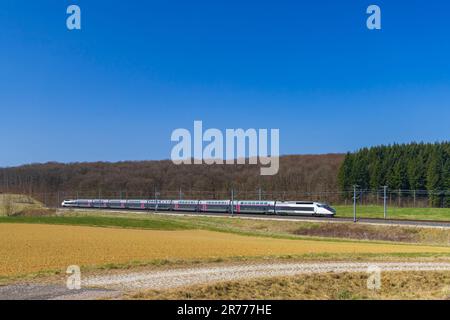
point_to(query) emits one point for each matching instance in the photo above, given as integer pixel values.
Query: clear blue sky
(139, 69)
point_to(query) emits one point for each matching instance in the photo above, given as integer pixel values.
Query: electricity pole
(156, 200)
(232, 202)
(385, 202)
(354, 203)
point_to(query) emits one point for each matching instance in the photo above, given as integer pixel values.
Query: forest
(328, 177)
(403, 167)
(304, 173)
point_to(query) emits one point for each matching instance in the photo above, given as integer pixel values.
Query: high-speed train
(304, 208)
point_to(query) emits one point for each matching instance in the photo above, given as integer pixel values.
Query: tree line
(414, 166)
(302, 173)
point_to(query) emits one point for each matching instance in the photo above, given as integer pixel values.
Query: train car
(185, 205)
(160, 205)
(99, 203)
(82, 203)
(256, 207)
(303, 208)
(214, 205)
(137, 204)
(294, 208)
(117, 204)
(323, 209)
(70, 203)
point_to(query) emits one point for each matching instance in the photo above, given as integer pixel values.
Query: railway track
(372, 221)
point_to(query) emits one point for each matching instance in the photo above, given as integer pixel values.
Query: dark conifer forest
(405, 167)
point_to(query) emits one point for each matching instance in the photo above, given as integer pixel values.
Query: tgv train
(218, 206)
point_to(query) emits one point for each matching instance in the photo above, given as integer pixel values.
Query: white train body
(303, 208)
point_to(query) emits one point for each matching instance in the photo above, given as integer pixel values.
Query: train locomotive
(300, 208)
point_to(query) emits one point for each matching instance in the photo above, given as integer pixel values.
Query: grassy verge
(322, 230)
(346, 286)
(149, 222)
(441, 214)
(273, 229)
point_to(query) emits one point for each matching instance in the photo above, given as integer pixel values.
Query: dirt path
(113, 285)
(185, 277)
(29, 291)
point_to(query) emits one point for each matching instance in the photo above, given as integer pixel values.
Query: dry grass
(375, 232)
(345, 286)
(30, 248)
(405, 234)
(17, 204)
(295, 229)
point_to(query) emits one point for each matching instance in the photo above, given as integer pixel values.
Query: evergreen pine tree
(434, 178)
(345, 173)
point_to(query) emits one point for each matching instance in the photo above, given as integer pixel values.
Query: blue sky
(140, 69)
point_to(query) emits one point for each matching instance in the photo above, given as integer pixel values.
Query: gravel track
(114, 285)
(52, 292)
(185, 277)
